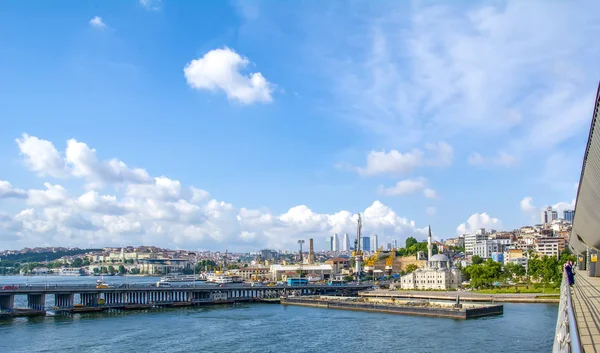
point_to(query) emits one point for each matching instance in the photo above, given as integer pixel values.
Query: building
(330, 243)
(346, 243)
(336, 243)
(278, 271)
(438, 274)
(549, 246)
(498, 257)
(548, 215)
(395, 244)
(251, 272)
(486, 248)
(569, 215)
(375, 244)
(338, 264)
(366, 243)
(472, 239)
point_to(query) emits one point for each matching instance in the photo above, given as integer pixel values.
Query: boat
(101, 284)
(69, 272)
(219, 278)
(176, 277)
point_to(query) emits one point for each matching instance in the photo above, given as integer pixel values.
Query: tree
(477, 260)
(410, 241)
(122, 269)
(111, 269)
(96, 270)
(77, 262)
(410, 268)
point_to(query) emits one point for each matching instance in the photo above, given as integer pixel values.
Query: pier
(86, 298)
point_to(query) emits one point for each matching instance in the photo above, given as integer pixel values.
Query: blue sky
(459, 115)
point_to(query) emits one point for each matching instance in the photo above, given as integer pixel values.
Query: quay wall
(403, 310)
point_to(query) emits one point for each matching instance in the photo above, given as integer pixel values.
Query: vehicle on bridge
(297, 282)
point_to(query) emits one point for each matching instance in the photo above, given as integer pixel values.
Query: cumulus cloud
(151, 5)
(79, 161)
(501, 159)
(165, 213)
(394, 162)
(7, 190)
(97, 22)
(479, 220)
(526, 205)
(220, 69)
(403, 187)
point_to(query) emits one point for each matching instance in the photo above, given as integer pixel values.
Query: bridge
(82, 298)
(578, 323)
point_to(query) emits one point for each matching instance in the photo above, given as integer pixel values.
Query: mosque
(438, 274)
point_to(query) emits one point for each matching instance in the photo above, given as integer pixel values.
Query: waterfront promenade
(586, 305)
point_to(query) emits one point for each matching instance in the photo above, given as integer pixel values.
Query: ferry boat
(69, 272)
(219, 278)
(176, 277)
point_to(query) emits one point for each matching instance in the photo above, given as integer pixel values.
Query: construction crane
(223, 263)
(389, 261)
(371, 261)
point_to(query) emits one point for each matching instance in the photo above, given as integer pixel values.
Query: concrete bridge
(578, 324)
(81, 298)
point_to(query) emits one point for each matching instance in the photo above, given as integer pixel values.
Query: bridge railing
(566, 337)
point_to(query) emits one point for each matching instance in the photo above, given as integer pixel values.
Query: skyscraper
(548, 215)
(346, 243)
(336, 243)
(366, 243)
(375, 244)
(395, 243)
(569, 215)
(330, 241)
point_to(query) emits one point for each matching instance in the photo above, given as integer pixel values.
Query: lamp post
(300, 242)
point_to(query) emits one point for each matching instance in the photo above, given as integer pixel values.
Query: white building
(438, 274)
(485, 248)
(375, 244)
(472, 239)
(346, 243)
(336, 242)
(323, 271)
(548, 215)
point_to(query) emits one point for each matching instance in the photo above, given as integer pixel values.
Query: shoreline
(520, 298)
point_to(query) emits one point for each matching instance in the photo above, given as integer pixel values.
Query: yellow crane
(389, 261)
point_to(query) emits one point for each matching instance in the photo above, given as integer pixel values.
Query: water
(275, 328)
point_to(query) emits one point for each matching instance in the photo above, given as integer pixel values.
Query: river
(274, 328)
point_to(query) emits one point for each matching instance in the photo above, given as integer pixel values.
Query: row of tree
(546, 269)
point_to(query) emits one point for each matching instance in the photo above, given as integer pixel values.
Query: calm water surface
(275, 328)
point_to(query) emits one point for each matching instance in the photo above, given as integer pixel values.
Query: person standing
(569, 270)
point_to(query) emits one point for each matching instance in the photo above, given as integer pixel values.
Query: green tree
(122, 269)
(477, 260)
(77, 263)
(111, 270)
(410, 268)
(96, 270)
(410, 241)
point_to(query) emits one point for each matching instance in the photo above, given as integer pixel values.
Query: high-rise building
(395, 243)
(346, 243)
(366, 243)
(330, 241)
(548, 215)
(569, 215)
(375, 243)
(336, 243)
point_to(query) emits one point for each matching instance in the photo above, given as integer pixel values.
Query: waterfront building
(324, 271)
(438, 273)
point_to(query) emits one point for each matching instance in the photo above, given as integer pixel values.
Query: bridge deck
(586, 304)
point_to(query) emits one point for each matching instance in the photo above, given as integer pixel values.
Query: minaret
(429, 246)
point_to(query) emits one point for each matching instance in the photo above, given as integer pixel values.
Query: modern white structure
(471, 240)
(346, 243)
(439, 273)
(336, 243)
(375, 245)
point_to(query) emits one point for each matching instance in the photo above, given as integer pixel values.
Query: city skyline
(131, 134)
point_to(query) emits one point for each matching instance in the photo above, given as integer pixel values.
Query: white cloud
(165, 213)
(8, 190)
(97, 22)
(562, 206)
(479, 220)
(41, 156)
(219, 69)
(430, 193)
(396, 163)
(501, 159)
(431, 211)
(53, 195)
(79, 161)
(403, 187)
(151, 5)
(526, 205)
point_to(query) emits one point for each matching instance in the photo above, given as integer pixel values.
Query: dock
(526, 298)
(418, 309)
